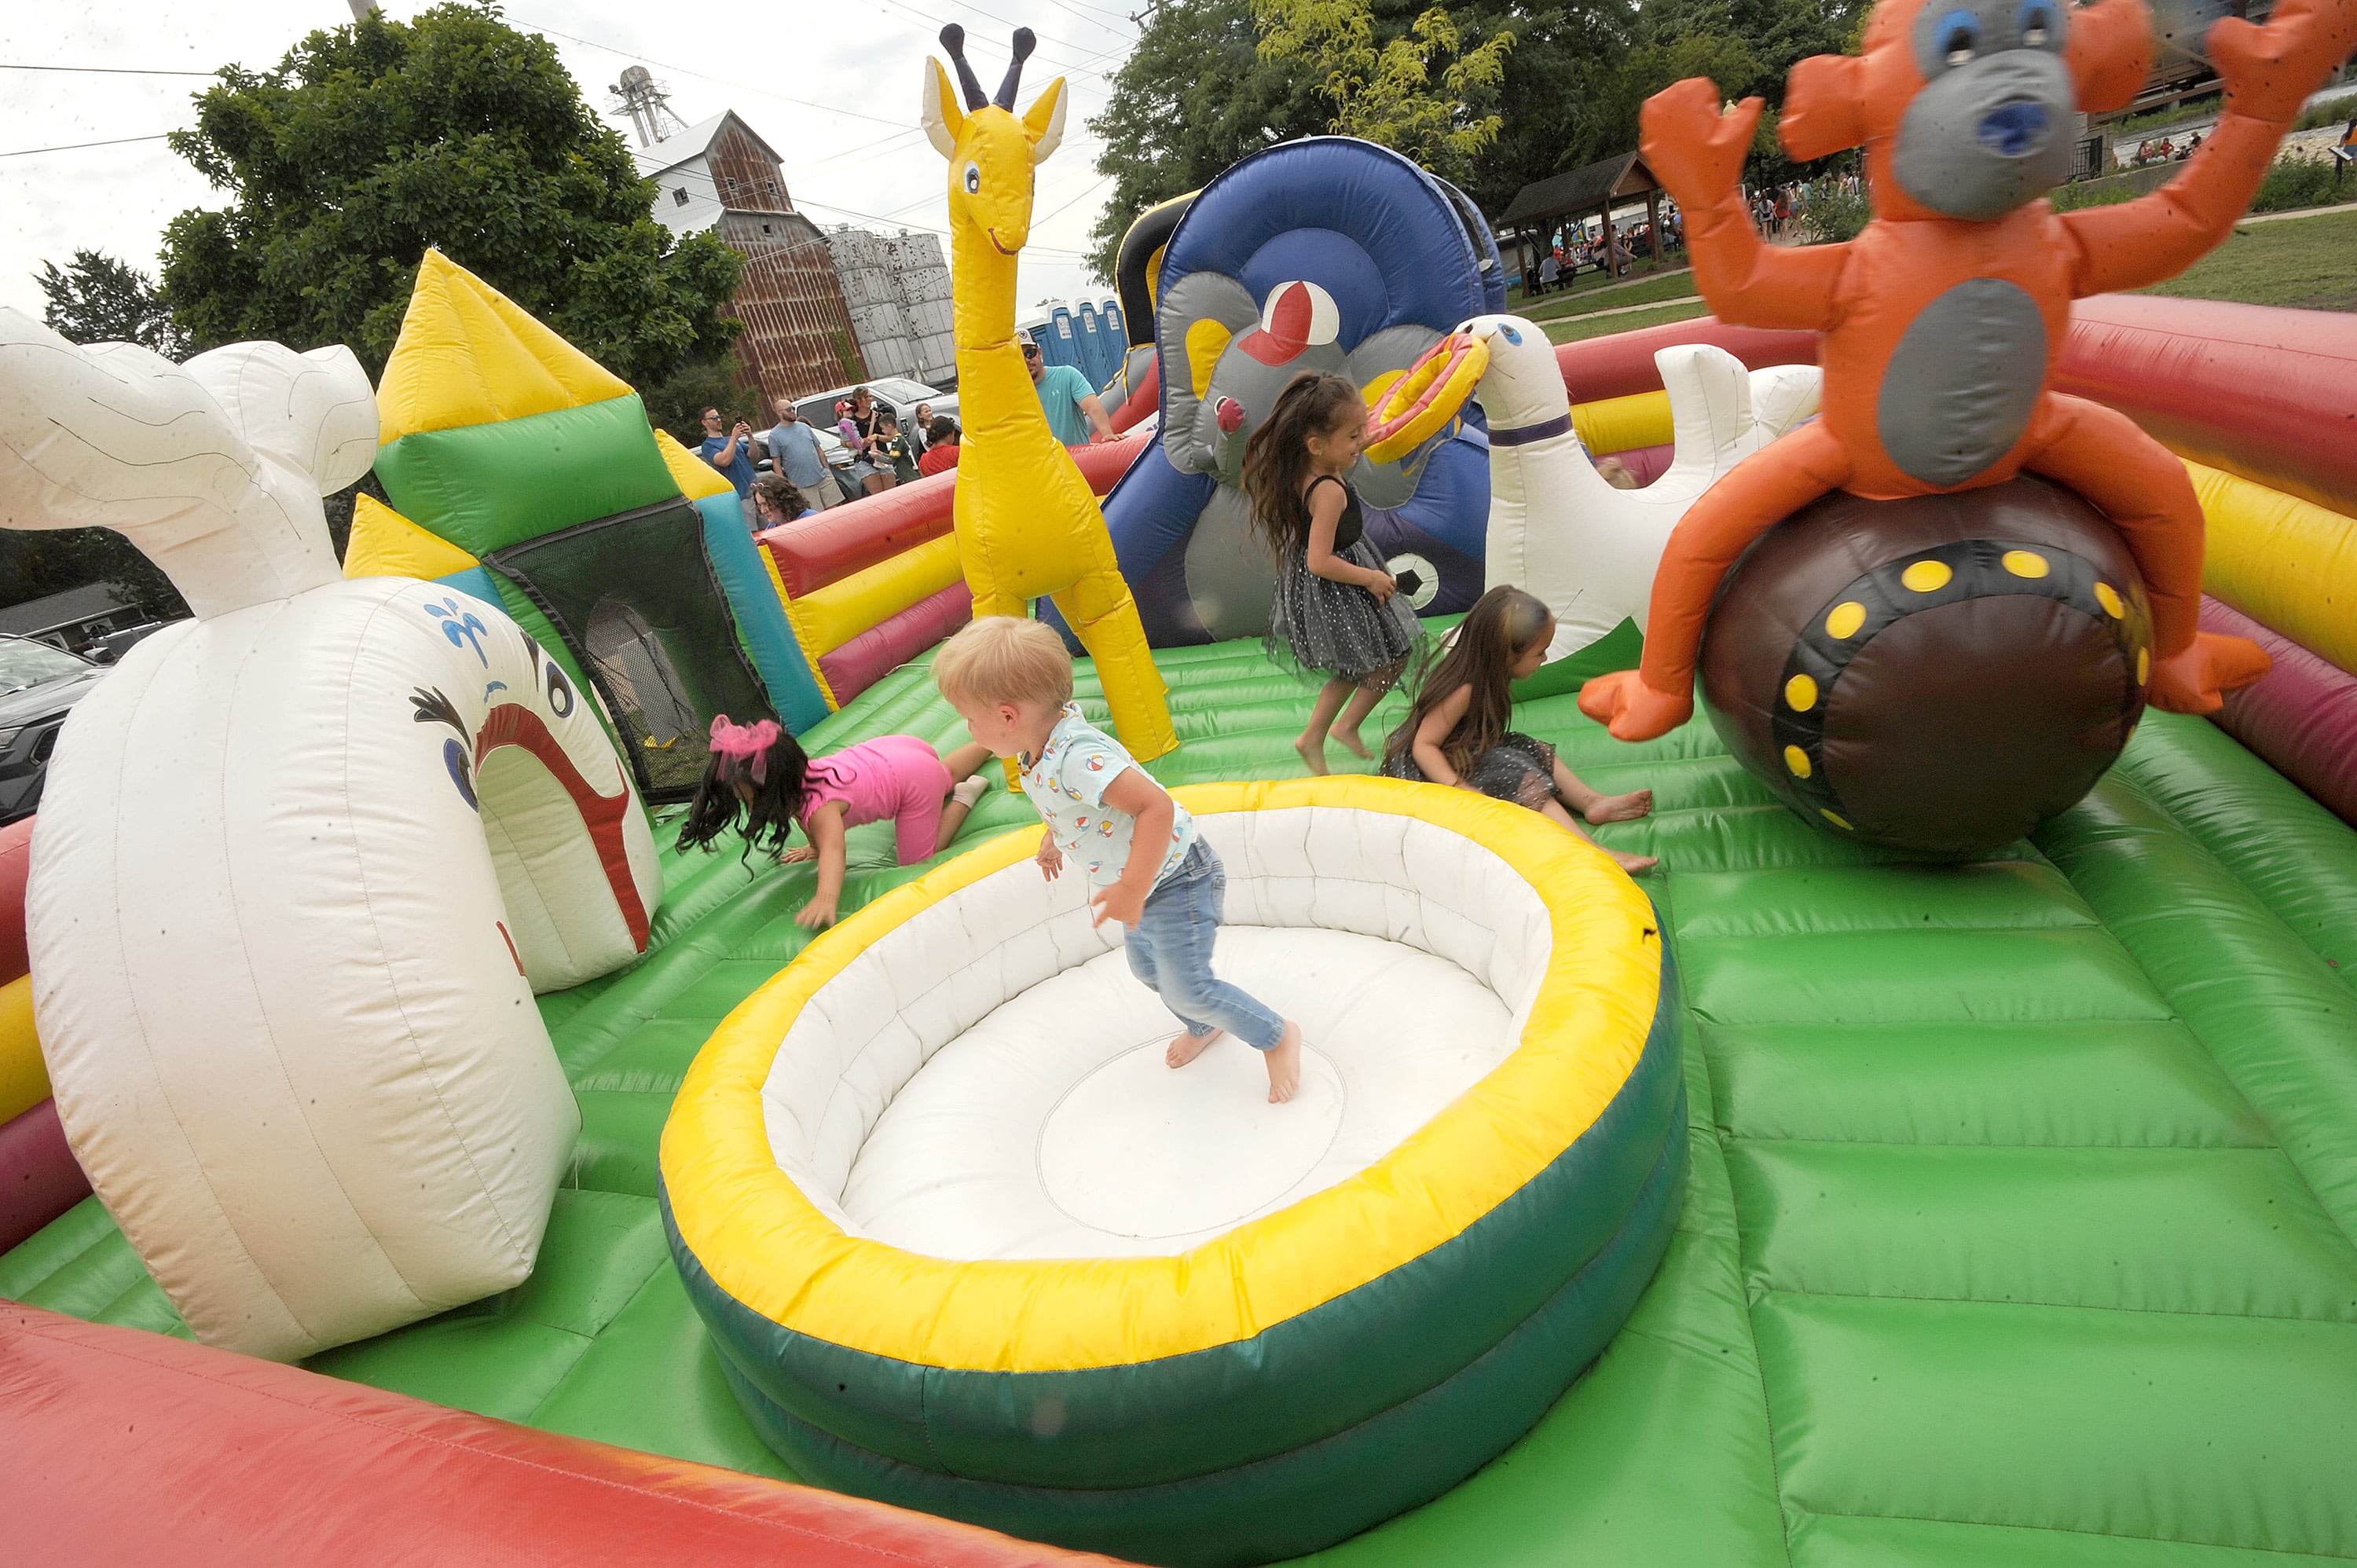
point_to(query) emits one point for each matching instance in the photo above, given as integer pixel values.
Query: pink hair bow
(746, 742)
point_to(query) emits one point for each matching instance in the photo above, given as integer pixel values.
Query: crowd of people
(2167, 150)
(1567, 254)
(798, 480)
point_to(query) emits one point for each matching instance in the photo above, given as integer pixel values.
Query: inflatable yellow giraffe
(1027, 525)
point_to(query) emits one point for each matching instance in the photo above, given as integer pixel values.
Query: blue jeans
(1170, 952)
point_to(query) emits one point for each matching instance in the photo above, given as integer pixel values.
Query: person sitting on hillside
(940, 446)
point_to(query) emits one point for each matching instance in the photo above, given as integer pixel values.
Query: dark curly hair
(777, 799)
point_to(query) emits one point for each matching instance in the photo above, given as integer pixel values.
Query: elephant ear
(1194, 321)
(1373, 367)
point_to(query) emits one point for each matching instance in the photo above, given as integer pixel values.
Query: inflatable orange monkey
(1943, 319)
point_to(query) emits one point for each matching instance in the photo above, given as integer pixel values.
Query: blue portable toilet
(1064, 343)
(1093, 364)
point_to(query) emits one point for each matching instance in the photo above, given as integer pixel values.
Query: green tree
(34, 564)
(371, 141)
(1384, 88)
(1193, 97)
(676, 403)
(97, 299)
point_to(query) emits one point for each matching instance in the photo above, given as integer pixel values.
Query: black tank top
(1352, 524)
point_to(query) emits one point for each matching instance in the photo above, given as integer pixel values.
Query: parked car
(902, 393)
(38, 685)
(830, 447)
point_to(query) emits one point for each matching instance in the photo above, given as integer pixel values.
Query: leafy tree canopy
(1198, 93)
(1386, 91)
(97, 299)
(1193, 97)
(371, 141)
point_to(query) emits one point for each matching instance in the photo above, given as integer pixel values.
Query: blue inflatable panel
(475, 581)
(761, 619)
(1397, 251)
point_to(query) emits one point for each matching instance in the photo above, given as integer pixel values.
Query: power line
(102, 69)
(77, 146)
(716, 80)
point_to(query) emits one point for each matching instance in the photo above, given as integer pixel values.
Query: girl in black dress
(1455, 731)
(1337, 611)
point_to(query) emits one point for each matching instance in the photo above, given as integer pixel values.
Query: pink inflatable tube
(38, 1177)
(892, 642)
(2301, 716)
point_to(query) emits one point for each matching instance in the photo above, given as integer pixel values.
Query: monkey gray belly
(1229, 574)
(1962, 384)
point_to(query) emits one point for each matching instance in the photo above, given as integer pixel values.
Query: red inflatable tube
(885, 646)
(813, 552)
(40, 1178)
(2301, 716)
(1623, 364)
(2267, 394)
(1143, 399)
(1646, 464)
(128, 1447)
(15, 858)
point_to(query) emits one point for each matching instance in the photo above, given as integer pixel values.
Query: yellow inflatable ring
(1294, 1379)
(1425, 401)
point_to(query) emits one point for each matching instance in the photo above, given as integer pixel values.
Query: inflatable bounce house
(387, 1102)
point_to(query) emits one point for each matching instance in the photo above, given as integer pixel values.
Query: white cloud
(768, 62)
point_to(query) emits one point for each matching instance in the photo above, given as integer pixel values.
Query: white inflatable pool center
(986, 1080)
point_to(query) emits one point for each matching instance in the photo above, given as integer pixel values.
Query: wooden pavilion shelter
(1581, 194)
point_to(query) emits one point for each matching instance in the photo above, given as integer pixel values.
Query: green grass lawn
(1588, 282)
(1675, 285)
(1581, 327)
(2308, 262)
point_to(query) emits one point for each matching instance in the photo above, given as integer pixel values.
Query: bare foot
(1284, 1065)
(1634, 864)
(1621, 808)
(1352, 742)
(1315, 755)
(1185, 1047)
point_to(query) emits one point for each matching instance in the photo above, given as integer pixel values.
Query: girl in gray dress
(1455, 733)
(1337, 612)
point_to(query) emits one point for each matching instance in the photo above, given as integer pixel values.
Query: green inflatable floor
(2020, 1230)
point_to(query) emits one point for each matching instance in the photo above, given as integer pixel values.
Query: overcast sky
(856, 154)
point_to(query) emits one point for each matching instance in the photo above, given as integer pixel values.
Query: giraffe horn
(1023, 46)
(953, 40)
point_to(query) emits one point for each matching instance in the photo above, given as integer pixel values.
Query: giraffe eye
(973, 179)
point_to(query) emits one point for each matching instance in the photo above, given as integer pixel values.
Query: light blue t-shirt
(795, 449)
(1061, 388)
(1066, 786)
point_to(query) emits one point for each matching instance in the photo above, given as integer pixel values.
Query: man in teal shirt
(1074, 412)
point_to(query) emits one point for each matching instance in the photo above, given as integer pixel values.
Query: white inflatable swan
(301, 863)
(1556, 528)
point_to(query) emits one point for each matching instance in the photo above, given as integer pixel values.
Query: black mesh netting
(636, 600)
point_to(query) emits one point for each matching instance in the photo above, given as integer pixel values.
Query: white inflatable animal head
(301, 863)
(214, 468)
(1556, 527)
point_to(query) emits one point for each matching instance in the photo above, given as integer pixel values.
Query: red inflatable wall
(124, 1446)
(1623, 364)
(2267, 394)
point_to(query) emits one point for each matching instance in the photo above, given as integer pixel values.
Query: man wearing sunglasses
(732, 454)
(1074, 411)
